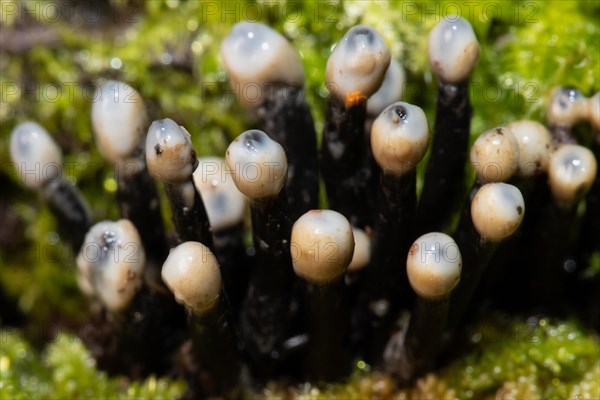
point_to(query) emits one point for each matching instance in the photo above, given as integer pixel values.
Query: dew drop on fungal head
(357, 65)
(453, 49)
(37, 157)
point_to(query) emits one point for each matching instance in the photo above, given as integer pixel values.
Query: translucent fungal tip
(571, 173)
(36, 156)
(535, 147)
(497, 211)
(258, 164)
(453, 49)
(495, 155)
(170, 154)
(357, 66)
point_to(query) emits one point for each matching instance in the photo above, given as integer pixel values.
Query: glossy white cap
(322, 245)
(256, 55)
(497, 211)
(224, 203)
(258, 164)
(390, 91)
(495, 155)
(170, 154)
(119, 119)
(571, 173)
(36, 156)
(357, 65)
(192, 273)
(111, 263)
(433, 265)
(399, 138)
(453, 49)
(535, 147)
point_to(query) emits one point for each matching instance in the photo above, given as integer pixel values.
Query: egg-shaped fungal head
(192, 273)
(111, 263)
(433, 265)
(170, 154)
(357, 65)
(362, 250)
(256, 55)
(36, 156)
(535, 146)
(566, 106)
(257, 164)
(453, 49)
(223, 201)
(495, 155)
(399, 138)
(119, 119)
(322, 245)
(390, 91)
(497, 210)
(571, 173)
(594, 111)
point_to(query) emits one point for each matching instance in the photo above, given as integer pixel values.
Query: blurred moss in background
(54, 53)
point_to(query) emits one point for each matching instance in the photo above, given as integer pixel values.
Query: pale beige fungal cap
(192, 273)
(495, 155)
(322, 245)
(535, 147)
(433, 265)
(111, 263)
(497, 211)
(571, 173)
(399, 138)
(566, 106)
(390, 91)
(362, 250)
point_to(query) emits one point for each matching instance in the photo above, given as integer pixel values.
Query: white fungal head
(594, 111)
(111, 263)
(258, 164)
(322, 245)
(119, 120)
(497, 210)
(223, 201)
(192, 273)
(567, 106)
(535, 146)
(362, 250)
(399, 138)
(255, 55)
(36, 156)
(433, 265)
(170, 154)
(390, 91)
(495, 155)
(453, 49)
(571, 173)
(357, 65)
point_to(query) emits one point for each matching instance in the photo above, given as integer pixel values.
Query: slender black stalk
(287, 119)
(70, 210)
(345, 166)
(328, 357)
(453, 52)
(343, 163)
(190, 218)
(265, 313)
(445, 174)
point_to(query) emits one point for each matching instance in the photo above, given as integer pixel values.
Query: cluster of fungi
(377, 276)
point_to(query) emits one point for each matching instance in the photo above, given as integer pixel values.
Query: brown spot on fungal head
(157, 149)
(414, 249)
(520, 210)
